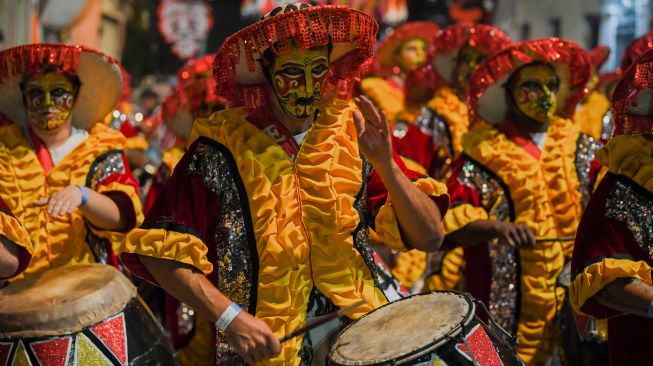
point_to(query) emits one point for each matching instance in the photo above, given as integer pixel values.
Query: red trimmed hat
(636, 48)
(391, 43)
(450, 40)
(632, 100)
(598, 55)
(486, 95)
(195, 87)
(99, 74)
(238, 70)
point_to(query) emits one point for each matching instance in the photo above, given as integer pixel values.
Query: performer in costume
(63, 174)
(269, 209)
(591, 113)
(612, 258)
(402, 51)
(15, 246)
(433, 139)
(520, 186)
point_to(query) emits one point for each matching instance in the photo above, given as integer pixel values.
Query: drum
(437, 328)
(85, 314)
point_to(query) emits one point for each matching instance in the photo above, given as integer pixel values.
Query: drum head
(63, 300)
(403, 330)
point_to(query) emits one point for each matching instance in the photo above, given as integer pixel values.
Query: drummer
(62, 174)
(15, 245)
(521, 184)
(258, 234)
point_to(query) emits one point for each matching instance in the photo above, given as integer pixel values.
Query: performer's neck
(294, 125)
(55, 138)
(526, 123)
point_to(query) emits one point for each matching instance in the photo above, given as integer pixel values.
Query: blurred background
(153, 38)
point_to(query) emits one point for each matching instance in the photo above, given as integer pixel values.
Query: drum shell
(129, 337)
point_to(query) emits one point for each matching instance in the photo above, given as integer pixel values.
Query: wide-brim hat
(396, 37)
(598, 55)
(238, 70)
(635, 49)
(99, 74)
(193, 89)
(627, 115)
(450, 40)
(487, 94)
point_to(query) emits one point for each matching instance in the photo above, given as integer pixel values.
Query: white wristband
(228, 316)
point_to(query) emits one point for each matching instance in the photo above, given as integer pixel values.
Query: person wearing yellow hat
(63, 174)
(265, 221)
(612, 259)
(520, 186)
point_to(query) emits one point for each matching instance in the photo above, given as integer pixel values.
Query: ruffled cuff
(134, 212)
(459, 216)
(597, 275)
(11, 229)
(386, 224)
(165, 244)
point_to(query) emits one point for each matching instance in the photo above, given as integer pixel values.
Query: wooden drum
(85, 314)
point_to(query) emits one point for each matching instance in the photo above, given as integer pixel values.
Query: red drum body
(437, 328)
(79, 315)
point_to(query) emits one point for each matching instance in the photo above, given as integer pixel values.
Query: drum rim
(423, 350)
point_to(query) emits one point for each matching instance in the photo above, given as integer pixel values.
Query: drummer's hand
(373, 133)
(63, 202)
(516, 235)
(252, 339)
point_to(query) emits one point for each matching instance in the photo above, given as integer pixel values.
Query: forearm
(475, 232)
(8, 257)
(628, 295)
(103, 211)
(187, 284)
(419, 217)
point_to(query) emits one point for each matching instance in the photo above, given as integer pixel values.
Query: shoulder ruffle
(454, 111)
(590, 115)
(172, 156)
(388, 98)
(629, 155)
(459, 216)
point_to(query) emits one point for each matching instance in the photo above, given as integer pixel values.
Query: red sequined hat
(486, 94)
(238, 70)
(99, 74)
(450, 40)
(391, 43)
(636, 48)
(195, 87)
(598, 55)
(629, 113)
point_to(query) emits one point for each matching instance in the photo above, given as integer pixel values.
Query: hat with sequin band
(195, 89)
(391, 44)
(238, 66)
(99, 74)
(632, 100)
(486, 94)
(450, 40)
(635, 49)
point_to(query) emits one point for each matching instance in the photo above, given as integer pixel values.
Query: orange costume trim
(57, 241)
(303, 215)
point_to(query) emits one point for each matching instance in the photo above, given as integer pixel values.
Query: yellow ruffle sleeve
(166, 244)
(136, 143)
(389, 99)
(597, 275)
(11, 229)
(448, 105)
(629, 155)
(116, 237)
(459, 216)
(387, 226)
(590, 115)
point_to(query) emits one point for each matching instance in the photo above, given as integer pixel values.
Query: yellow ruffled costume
(590, 114)
(546, 199)
(57, 241)
(14, 231)
(410, 266)
(390, 99)
(303, 215)
(631, 156)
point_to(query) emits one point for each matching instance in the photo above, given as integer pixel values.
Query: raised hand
(373, 133)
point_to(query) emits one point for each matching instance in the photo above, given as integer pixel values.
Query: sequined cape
(97, 163)
(503, 176)
(15, 232)
(281, 238)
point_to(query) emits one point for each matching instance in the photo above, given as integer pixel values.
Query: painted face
(298, 78)
(467, 62)
(411, 54)
(49, 99)
(534, 92)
